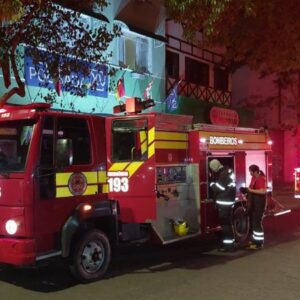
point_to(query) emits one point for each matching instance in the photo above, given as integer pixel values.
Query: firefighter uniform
(224, 191)
(258, 205)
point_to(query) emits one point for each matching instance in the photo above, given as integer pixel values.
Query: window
(15, 138)
(47, 145)
(46, 172)
(134, 52)
(196, 72)
(172, 64)
(73, 142)
(129, 140)
(221, 78)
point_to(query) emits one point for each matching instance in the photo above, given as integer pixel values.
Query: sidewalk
(284, 194)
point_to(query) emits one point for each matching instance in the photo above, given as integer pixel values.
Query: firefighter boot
(254, 246)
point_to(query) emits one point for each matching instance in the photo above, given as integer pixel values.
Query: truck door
(64, 175)
(131, 174)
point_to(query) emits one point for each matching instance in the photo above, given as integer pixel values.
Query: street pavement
(192, 270)
(284, 194)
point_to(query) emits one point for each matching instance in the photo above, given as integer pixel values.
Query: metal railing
(199, 92)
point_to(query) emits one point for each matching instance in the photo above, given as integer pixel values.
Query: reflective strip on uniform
(228, 241)
(231, 184)
(220, 186)
(258, 235)
(225, 202)
(258, 238)
(212, 183)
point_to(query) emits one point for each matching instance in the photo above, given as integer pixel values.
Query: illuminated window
(134, 52)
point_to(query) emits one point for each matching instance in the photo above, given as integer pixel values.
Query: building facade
(276, 107)
(138, 57)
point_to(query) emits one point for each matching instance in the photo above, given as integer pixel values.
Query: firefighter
(223, 188)
(257, 192)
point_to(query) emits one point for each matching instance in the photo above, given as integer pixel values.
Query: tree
(13, 9)
(52, 36)
(262, 34)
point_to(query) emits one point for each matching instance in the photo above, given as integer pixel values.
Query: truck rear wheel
(241, 224)
(91, 256)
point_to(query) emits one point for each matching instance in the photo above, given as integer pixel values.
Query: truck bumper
(17, 251)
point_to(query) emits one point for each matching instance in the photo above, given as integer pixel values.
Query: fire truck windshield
(15, 137)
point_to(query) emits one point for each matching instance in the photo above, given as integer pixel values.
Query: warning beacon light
(133, 105)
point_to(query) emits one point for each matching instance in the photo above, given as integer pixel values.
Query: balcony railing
(202, 93)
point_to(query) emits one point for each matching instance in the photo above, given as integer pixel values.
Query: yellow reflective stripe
(63, 192)
(91, 190)
(171, 145)
(102, 176)
(144, 147)
(91, 177)
(118, 166)
(62, 178)
(171, 136)
(133, 167)
(151, 150)
(105, 188)
(151, 135)
(142, 136)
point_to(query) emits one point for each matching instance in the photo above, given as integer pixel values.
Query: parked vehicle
(74, 185)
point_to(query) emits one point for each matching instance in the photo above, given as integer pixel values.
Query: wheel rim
(241, 226)
(93, 256)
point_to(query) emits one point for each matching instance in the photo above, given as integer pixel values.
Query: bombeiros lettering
(223, 140)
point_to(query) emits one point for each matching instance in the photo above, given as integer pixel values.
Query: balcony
(198, 92)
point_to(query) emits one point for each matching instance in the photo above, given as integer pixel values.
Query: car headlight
(11, 227)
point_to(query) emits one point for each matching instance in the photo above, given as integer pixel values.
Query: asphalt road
(186, 271)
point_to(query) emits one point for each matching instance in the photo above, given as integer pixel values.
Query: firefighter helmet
(215, 165)
(181, 227)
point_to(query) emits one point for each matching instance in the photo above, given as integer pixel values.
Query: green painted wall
(134, 85)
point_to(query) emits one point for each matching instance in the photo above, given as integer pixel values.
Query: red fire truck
(75, 185)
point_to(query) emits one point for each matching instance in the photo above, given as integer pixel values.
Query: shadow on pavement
(196, 254)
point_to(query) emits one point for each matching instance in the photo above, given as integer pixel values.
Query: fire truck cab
(75, 185)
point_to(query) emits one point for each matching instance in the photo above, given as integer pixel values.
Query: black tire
(91, 256)
(241, 224)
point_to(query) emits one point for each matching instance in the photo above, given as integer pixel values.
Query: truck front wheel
(91, 256)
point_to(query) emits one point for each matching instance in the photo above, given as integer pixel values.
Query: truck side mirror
(64, 152)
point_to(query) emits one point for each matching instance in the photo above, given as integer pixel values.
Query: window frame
(143, 155)
(132, 63)
(195, 71)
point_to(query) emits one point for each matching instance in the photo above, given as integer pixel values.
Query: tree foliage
(55, 37)
(263, 34)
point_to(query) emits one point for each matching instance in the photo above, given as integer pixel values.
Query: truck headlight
(11, 227)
